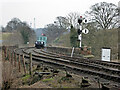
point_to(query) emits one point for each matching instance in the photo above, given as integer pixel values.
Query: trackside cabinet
(106, 53)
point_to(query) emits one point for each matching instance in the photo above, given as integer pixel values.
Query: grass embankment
(11, 39)
(63, 40)
(14, 38)
(0, 36)
(97, 40)
(5, 36)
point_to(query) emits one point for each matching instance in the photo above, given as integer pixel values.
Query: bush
(73, 37)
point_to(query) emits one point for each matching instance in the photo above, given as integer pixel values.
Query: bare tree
(73, 18)
(104, 14)
(62, 22)
(70, 19)
(53, 31)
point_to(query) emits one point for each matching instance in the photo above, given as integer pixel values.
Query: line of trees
(102, 16)
(16, 25)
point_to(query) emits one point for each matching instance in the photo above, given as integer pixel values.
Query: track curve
(106, 70)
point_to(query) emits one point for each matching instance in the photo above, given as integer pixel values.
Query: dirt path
(39, 84)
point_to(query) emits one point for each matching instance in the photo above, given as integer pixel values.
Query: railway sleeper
(114, 72)
(109, 87)
(98, 68)
(113, 78)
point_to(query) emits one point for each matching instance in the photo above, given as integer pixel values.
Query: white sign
(106, 54)
(79, 37)
(85, 31)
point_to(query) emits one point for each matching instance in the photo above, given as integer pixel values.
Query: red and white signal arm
(85, 31)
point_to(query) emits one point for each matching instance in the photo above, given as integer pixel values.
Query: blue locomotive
(41, 41)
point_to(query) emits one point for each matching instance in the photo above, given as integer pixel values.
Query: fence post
(5, 51)
(9, 56)
(24, 63)
(15, 59)
(30, 63)
(12, 58)
(19, 62)
(3, 55)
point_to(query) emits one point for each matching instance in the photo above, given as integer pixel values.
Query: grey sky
(44, 11)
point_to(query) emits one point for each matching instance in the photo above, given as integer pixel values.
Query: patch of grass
(47, 80)
(88, 56)
(34, 79)
(5, 36)
(66, 87)
(0, 36)
(26, 77)
(56, 40)
(64, 78)
(63, 40)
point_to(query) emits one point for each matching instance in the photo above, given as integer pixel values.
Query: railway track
(106, 70)
(78, 59)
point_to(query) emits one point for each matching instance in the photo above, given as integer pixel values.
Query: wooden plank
(19, 63)
(24, 63)
(15, 59)
(43, 72)
(12, 58)
(9, 55)
(30, 64)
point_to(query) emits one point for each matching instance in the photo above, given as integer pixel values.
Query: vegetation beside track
(96, 40)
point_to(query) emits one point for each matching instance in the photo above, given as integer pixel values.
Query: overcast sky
(44, 11)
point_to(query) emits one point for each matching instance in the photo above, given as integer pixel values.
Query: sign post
(72, 51)
(106, 54)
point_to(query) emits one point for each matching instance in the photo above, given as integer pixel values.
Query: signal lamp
(79, 21)
(79, 31)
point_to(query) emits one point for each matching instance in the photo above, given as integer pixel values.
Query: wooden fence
(17, 60)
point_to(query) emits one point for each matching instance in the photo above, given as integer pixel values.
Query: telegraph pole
(30, 24)
(34, 24)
